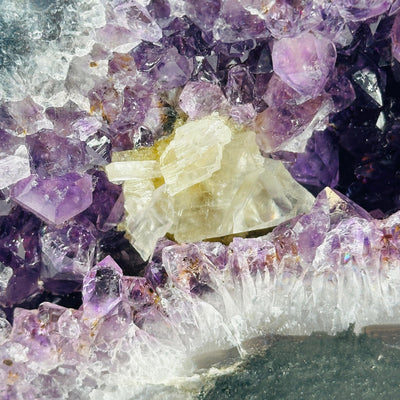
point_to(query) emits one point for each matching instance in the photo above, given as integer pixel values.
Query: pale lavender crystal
(28, 116)
(278, 93)
(304, 62)
(203, 14)
(199, 99)
(67, 254)
(102, 288)
(289, 18)
(140, 296)
(173, 70)
(55, 199)
(289, 126)
(133, 16)
(106, 101)
(361, 10)
(243, 113)
(235, 23)
(340, 207)
(64, 118)
(187, 264)
(52, 154)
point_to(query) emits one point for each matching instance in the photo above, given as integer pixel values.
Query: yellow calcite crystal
(207, 180)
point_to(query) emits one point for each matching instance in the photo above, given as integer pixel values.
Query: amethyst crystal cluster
(316, 82)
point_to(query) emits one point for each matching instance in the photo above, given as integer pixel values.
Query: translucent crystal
(362, 10)
(102, 288)
(67, 254)
(14, 167)
(304, 62)
(183, 167)
(199, 99)
(55, 199)
(203, 191)
(368, 82)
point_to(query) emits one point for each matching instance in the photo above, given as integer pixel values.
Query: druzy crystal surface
(179, 177)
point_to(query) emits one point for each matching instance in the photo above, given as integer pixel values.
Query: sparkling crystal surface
(55, 199)
(205, 192)
(158, 166)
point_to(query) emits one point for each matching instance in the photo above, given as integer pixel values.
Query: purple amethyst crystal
(107, 207)
(67, 254)
(362, 10)
(290, 18)
(52, 154)
(318, 166)
(55, 199)
(396, 38)
(19, 256)
(319, 83)
(240, 86)
(304, 62)
(102, 288)
(204, 14)
(199, 99)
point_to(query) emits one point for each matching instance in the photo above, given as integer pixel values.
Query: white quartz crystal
(14, 167)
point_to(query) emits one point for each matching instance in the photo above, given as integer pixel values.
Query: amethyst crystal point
(289, 18)
(67, 255)
(66, 120)
(237, 23)
(363, 9)
(240, 86)
(55, 199)
(304, 62)
(174, 70)
(102, 288)
(137, 19)
(199, 99)
(341, 90)
(52, 154)
(340, 207)
(139, 294)
(188, 264)
(318, 166)
(289, 126)
(107, 208)
(19, 256)
(203, 14)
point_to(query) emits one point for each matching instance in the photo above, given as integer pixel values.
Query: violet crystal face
(179, 178)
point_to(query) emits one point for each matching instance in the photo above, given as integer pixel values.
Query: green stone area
(344, 366)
